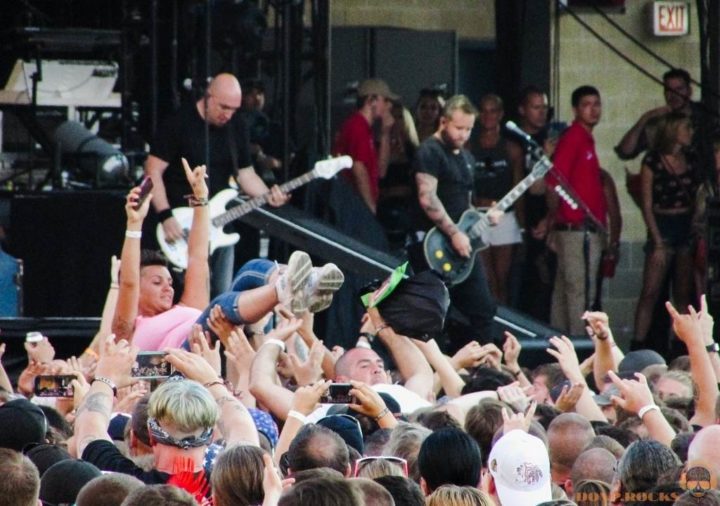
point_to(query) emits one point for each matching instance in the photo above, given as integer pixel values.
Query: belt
(575, 227)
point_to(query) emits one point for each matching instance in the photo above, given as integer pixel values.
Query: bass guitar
(438, 250)
(176, 251)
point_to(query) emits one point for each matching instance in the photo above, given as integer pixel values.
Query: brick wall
(473, 19)
(626, 94)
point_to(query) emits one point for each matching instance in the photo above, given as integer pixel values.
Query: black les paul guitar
(438, 250)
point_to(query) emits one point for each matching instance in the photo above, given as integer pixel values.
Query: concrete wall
(472, 19)
(626, 94)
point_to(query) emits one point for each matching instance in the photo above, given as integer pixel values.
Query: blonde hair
(452, 495)
(459, 103)
(667, 130)
(187, 405)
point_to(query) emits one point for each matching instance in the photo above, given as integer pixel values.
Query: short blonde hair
(459, 103)
(452, 495)
(186, 404)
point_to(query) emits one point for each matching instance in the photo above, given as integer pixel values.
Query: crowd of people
(242, 403)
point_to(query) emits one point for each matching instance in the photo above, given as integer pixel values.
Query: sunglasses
(161, 436)
(360, 464)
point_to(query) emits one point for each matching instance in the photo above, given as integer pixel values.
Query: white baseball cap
(520, 465)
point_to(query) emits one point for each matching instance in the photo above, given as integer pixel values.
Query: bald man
(704, 450)
(568, 435)
(183, 135)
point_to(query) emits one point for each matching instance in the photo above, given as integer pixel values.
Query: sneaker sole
(330, 278)
(298, 270)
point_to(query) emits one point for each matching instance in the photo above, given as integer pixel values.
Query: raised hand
(567, 358)
(306, 398)
(310, 370)
(599, 324)
(219, 324)
(633, 394)
(193, 366)
(368, 402)
(686, 326)
(470, 355)
(116, 361)
(197, 178)
(200, 346)
(136, 215)
(518, 420)
(239, 350)
(511, 351)
(42, 351)
(569, 396)
(513, 395)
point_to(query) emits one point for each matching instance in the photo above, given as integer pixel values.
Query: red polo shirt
(355, 139)
(576, 159)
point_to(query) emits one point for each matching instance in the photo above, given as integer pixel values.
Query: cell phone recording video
(338, 393)
(145, 188)
(151, 365)
(54, 386)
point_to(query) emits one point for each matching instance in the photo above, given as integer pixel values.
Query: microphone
(512, 127)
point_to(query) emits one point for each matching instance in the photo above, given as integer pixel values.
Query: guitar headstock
(328, 168)
(541, 167)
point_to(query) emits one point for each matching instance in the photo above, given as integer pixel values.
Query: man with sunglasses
(182, 416)
(184, 134)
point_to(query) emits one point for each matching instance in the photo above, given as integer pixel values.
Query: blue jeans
(253, 274)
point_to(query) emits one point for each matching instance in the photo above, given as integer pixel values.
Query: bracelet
(114, 286)
(712, 347)
(381, 328)
(164, 214)
(646, 409)
(369, 336)
(108, 382)
(382, 414)
(133, 234)
(196, 201)
(276, 342)
(214, 382)
(297, 416)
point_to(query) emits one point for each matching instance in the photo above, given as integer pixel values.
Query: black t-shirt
(493, 175)
(183, 135)
(105, 456)
(454, 172)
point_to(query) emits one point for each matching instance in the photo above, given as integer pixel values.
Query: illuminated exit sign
(671, 19)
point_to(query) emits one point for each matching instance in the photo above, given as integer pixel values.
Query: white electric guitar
(176, 251)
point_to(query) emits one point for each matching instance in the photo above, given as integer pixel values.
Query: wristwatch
(713, 347)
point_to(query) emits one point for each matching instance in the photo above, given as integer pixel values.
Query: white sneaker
(290, 286)
(323, 283)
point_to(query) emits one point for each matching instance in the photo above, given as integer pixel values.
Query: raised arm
(607, 353)
(155, 168)
(630, 145)
(264, 382)
(113, 372)
(446, 377)
(197, 277)
(92, 352)
(688, 329)
(411, 363)
(126, 309)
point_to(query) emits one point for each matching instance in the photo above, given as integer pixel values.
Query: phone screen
(151, 365)
(338, 393)
(54, 386)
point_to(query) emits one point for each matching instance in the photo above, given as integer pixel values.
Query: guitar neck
(255, 202)
(509, 199)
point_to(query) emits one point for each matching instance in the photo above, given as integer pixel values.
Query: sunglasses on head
(161, 436)
(360, 464)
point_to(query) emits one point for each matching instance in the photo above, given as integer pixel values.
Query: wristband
(276, 342)
(381, 328)
(133, 234)
(164, 214)
(114, 286)
(712, 348)
(297, 416)
(213, 383)
(363, 344)
(646, 409)
(108, 382)
(382, 414)
(369, 336)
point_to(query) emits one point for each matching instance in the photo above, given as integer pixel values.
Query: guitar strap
(232, 144)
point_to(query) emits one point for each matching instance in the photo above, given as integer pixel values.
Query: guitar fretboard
(255, 202)
(539, 170)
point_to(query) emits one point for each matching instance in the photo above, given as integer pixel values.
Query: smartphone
(338, 393)
(145, 188)
(151, 365)
(54, 386)
(33, 337)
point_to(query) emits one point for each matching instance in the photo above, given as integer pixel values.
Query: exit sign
(671, 19)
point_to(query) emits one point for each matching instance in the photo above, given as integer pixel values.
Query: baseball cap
(376, 86)
(28, 423)
(45, 455)
(520, 465)
(636, 361)
(63, 481)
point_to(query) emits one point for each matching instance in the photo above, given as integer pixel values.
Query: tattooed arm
(434, 209)
(93, 416)
(235, 422)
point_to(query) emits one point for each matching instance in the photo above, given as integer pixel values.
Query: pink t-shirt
(169, 329)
